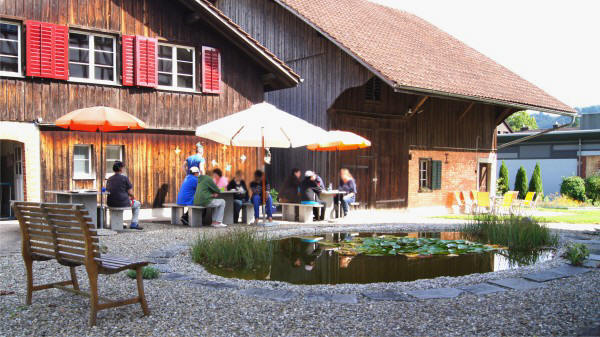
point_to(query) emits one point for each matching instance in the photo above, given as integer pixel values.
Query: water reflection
(306, 261)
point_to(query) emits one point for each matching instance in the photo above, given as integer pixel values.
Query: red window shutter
(128, 61)
(146, 61)
(211, 70)
(60, 39)
(47, 50)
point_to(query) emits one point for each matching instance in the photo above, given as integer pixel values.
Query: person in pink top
(219, 180)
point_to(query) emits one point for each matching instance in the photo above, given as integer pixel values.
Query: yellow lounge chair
(528, 201)
(507, 201)
(483, 201)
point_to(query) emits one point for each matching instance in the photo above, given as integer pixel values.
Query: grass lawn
(569, 216)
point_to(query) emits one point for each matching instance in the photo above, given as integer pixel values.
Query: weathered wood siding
(325, 69)
(26, 99)
(152, 162)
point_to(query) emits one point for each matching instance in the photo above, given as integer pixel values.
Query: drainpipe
(579, 159)
(535, 135)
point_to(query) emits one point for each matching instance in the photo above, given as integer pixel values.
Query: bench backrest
(61, 231)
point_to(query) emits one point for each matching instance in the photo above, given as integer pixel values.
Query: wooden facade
(171, 116)
(332, 95)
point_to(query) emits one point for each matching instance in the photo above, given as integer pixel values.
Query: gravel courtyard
(198, 303)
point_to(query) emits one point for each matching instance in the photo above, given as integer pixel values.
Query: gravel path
(195, 307)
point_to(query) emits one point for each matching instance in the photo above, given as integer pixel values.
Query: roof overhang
(416, 90)
(278, 76)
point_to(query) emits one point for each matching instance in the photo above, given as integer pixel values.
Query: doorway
(11, 175)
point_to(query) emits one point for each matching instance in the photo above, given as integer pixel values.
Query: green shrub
(521, 182)
(576, 253)
(239, 249)
(535, 185)
(592, 188)
(573, 187)
(515, 232)
(148, 273)
(503, 182)
(274, 195)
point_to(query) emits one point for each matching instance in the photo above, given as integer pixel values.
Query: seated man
(239, 186)
(257, 200)
(120, 194)
(309, 194)
(187, 191)
(218, 178)
(206, 194)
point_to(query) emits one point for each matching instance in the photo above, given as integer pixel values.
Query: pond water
(313, 260)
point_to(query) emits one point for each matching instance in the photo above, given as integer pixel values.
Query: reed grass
(241, 249)
(516, 232)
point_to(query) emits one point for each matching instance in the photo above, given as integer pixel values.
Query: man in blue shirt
(187, 191)
(195, 160)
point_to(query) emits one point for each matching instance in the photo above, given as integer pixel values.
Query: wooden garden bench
(65, 233)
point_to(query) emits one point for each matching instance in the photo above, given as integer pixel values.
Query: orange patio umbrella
(100, 119)
(336, 140)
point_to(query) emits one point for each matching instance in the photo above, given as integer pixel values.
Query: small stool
(116, 217)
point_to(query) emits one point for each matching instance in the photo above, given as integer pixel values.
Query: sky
(555, 44)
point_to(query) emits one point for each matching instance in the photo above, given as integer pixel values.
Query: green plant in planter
(148, 273)
(576, 253)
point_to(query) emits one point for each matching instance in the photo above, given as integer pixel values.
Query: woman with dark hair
(257, 200)
(238, 185)
(290, 190)
(120, 194)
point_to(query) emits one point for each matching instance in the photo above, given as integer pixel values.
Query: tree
(535, 185)
(503, 180)
(521, 182)
(521, 119)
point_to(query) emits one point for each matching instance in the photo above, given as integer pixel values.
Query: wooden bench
(195, 214)
(297, 212)
(116, 217)
(65, 233)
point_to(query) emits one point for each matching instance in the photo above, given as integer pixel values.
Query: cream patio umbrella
(262, 125)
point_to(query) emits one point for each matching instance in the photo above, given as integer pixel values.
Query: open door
(484, 177)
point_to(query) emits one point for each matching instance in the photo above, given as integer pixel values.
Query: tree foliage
(535, 184)
(503, 180)
(521, 119)
(573, 187)
(521, 182)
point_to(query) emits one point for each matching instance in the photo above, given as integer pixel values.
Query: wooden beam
(503, 115)
(419, 104)
(462, 115)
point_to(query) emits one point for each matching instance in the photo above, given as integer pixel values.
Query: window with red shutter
(128, 61)
(211, 70)
(47, 50)
(146, 65)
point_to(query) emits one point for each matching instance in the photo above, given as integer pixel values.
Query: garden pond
(335, 258)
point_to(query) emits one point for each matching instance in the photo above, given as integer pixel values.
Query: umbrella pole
(102, 225)
(264, 177)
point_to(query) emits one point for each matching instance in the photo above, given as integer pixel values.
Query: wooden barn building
(429, 103)
(173, 64)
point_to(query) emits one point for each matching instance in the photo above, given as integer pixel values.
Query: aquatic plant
(409, 247)
(243, 249)
(515, 232)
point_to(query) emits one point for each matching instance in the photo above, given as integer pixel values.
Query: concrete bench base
(304, 212)
(195, 214)
(116, 217)
(247, 213)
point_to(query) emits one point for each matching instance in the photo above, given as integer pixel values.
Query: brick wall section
(459, 173)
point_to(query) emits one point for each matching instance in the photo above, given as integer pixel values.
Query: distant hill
(588, 109)
(546, 121)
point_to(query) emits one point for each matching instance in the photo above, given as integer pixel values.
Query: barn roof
(283, 76)
(413, 55)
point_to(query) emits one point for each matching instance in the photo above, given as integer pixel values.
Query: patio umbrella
(100, 119)
(262, 125)
(336, 140)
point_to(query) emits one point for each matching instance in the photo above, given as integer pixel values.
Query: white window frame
(426, 180)
(92, 61)
(174, 73)
(108, 173)
(19, 61)
(84, 176)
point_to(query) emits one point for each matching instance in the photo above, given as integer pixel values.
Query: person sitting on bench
(309, 194)
(120, 194)
(348, 185)
(219, 180)
(206, 195)
(290, 190)
(238, 185)
(256, 187)
(187, 191)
